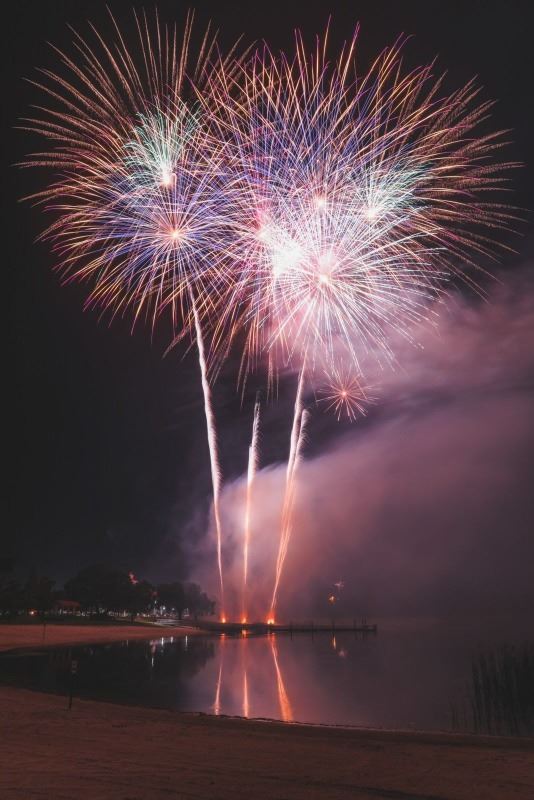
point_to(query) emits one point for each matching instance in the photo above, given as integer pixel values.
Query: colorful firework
(344, 395)
(361, 197)
(139, 208)
(284, 202)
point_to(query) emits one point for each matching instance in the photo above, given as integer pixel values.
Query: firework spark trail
(343, 393)
(367, 194)
(295, 428)
(251, 472)
(364, 196)
(305, 418)
(300, 420)
(288, 522)
(212, 443)
(285, 706)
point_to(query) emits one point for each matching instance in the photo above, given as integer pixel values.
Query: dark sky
(107, 457)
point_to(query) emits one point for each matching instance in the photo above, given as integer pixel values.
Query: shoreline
(15, 638)
(415, 735)
(106, 750)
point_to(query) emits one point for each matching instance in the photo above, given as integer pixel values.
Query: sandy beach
(101, 750)
(13, 637)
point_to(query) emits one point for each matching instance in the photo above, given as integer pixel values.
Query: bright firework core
(166, 178)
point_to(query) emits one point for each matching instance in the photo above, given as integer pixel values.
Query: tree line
(100, 589)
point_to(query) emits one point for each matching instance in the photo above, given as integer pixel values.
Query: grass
(500, 696)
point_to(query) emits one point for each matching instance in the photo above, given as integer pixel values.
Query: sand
(15, 636)
(101, 750)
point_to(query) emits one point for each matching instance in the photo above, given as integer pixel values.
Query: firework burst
(361, 198)
(344, 395)
(283, 202)
(139, 209)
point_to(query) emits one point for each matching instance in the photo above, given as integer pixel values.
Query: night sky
(107, 457)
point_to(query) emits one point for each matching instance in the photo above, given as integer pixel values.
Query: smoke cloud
(425, 506)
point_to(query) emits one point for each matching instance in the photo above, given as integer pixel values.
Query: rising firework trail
(212, 443)
(253, 458)
(288, 489)
(286, 528)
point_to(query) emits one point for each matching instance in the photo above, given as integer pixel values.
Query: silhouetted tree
(102, 589)
(197, 601)
(99, 588)
(6, 565)
(10, 591)
(172, 596)
(10, 595)
(140, 597)
(38, 593)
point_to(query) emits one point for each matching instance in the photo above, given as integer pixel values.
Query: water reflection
(148, 672)
(236, 677)
(285, 706)
(246, 704)
(217, 703)
(410, 676)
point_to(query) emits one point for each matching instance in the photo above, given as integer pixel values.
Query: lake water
(410, 675)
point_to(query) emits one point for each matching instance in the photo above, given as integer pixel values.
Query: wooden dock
(312, 627)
